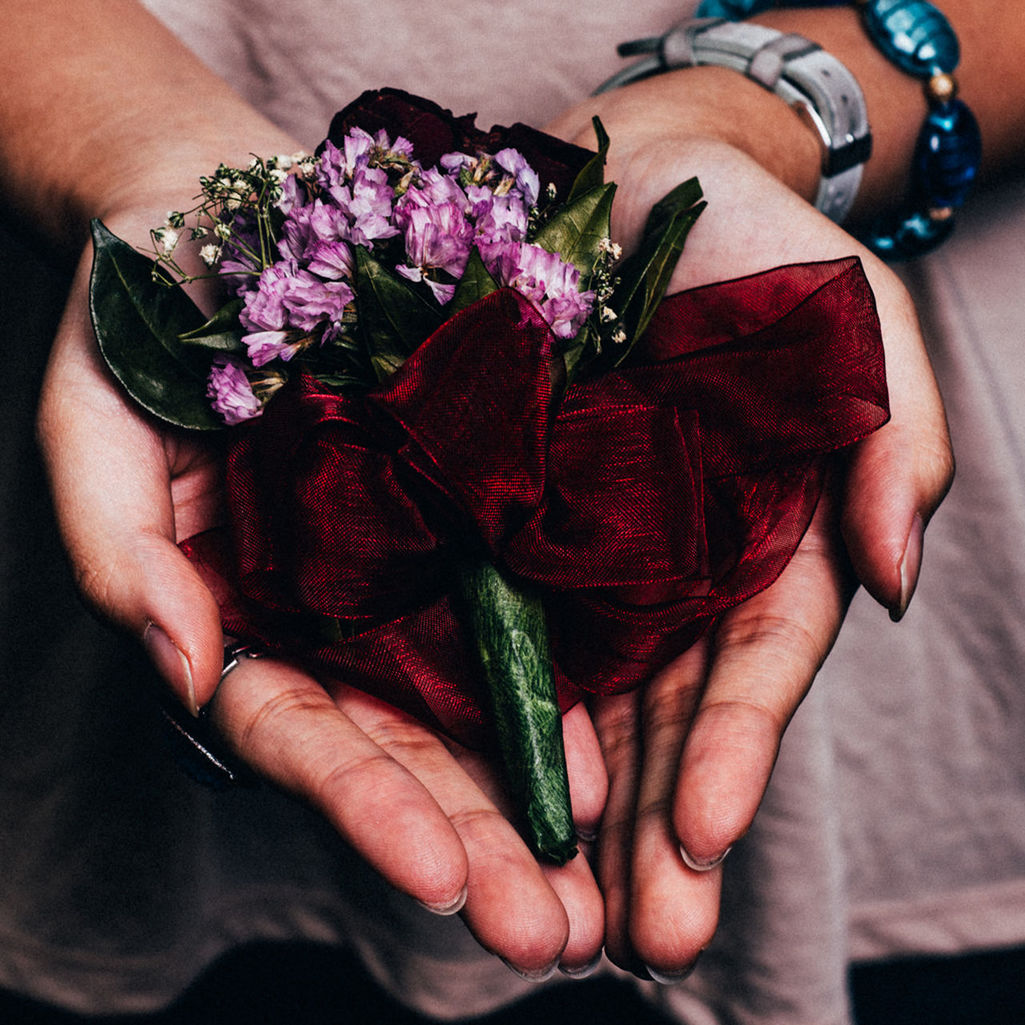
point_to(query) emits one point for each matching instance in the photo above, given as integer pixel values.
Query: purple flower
(238, 251)
(311, 301)
(292, 195)
(498, 218)
(433, 189)
(441, 290)
(264, 346)
(330, 260)
(230, 393)
(298, 233)
(527, 182)
(336, 166)
(545, 279)
(264, 307)
(438, 237)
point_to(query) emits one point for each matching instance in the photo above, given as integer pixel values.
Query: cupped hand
(425, 813)
(689, 756)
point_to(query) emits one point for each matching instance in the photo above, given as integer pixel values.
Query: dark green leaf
(221, 333)
(475, 283)
(576, 231)
(509, 629)
(592, 174)
(579, 348)
(138, 322)
(645, 277)
(677, 201)
(394, 317)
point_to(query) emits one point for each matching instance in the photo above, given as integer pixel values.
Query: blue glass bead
(906, 235)
(914, 35)
(732, 10)
(947, 156)
(735, 10)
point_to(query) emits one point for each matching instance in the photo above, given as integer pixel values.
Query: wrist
(706, 105)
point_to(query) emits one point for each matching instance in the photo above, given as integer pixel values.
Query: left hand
(689, 756)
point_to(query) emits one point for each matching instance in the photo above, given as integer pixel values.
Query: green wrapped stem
(508, 627)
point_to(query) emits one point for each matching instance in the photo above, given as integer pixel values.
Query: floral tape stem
(509, 630)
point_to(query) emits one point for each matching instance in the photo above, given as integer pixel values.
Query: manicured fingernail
(533, 975)
(670, 978)
(171, 663)
(910, 565)
(702, 864)
(584, 970)
(446, 909)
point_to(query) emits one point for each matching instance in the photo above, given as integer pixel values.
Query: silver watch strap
(812, 81)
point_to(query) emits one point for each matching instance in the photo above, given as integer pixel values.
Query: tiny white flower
(222, 231)
(613, 249)
(168, 239)
(210, 254)
(619, 336)
(608, 314)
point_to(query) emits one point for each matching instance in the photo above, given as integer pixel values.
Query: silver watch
(810, 80)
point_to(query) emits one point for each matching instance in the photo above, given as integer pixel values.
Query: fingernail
(171, 663)
(446, 909)
(702, 864)
(533, 975)
(670, 978)
(910, 564)
(587, 835)
(584, 970)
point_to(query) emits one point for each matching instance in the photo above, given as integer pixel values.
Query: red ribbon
(642, 504)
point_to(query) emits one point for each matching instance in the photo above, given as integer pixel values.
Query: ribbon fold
(642, 504)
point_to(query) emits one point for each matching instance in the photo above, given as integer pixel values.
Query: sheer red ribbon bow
(642, 503)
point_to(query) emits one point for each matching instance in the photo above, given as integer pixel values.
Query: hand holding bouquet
(465, 428)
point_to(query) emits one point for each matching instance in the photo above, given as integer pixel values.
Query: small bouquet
(476, 465)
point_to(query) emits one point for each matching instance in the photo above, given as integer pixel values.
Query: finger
(616, 720)
(764, 656)
(510, 907)
(111, 484)
(575, 886)
(900, 474)
(673, 909)
(288, 729)
(588, 779)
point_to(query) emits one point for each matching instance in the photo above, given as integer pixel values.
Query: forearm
(702, 105)
(102, 108)
(991, 79)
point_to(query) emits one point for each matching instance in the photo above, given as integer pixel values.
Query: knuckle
(771, 646)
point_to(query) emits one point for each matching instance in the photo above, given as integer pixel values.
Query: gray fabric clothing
(895, 821)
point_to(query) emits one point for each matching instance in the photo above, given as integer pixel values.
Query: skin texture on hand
(426, 814)
(690, 755)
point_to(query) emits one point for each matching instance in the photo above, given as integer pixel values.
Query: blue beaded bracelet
(919, 40)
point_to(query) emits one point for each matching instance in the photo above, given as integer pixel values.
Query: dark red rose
(434, 131)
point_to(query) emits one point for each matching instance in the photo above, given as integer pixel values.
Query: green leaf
(475, 283)
(508, 626)
(645, 277)
(394, 317)
(221, 333)
(576, 232)
(138, 322)
(592, 174)
(675, 202)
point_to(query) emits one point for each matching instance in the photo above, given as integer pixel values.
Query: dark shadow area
(278, 984)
